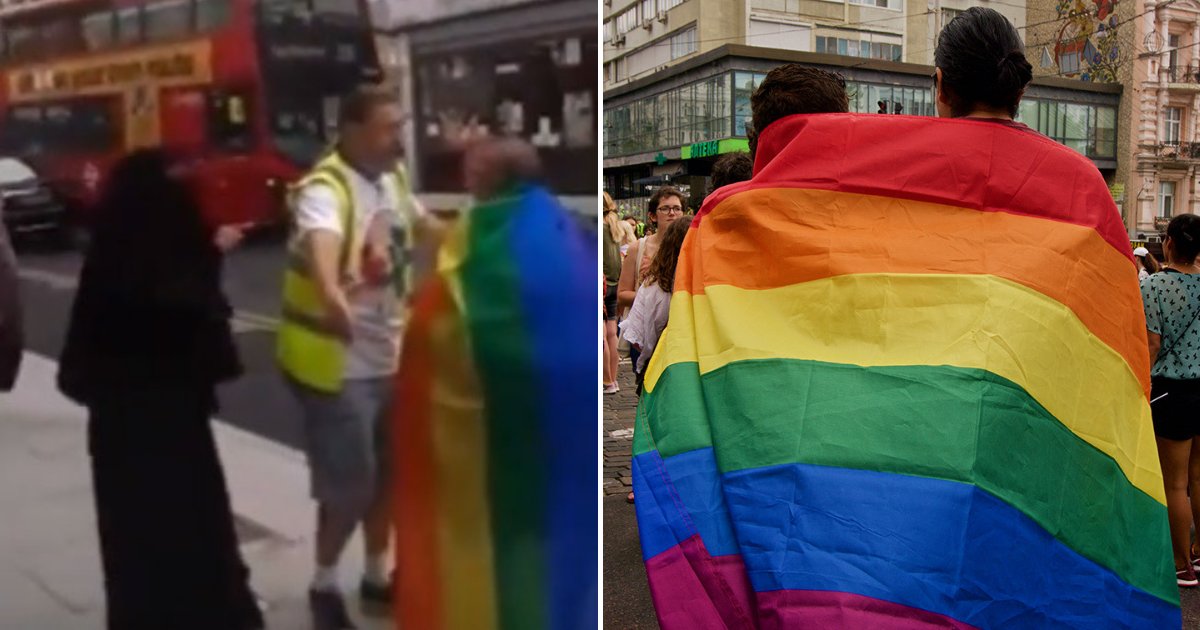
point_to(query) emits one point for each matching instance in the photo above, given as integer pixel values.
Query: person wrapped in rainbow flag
(494, 434)
(904, 383)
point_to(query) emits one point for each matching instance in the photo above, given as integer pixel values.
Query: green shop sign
(713, 148)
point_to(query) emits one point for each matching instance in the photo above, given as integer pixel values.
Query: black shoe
(375, 597)
(329, 611)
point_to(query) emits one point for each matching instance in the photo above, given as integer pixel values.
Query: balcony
(1182, 78)
(1177, 151)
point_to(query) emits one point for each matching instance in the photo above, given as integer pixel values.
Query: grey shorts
(346, 439)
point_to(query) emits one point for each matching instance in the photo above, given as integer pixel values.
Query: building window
(1172, 57)
(855, 48)
(627, 21)
(99, 30)
(620, 69)
(683, 44)
(647, 9)
(1172, 119)
(948, 15)
(883, 4)
(1166, 199)
(666, 5)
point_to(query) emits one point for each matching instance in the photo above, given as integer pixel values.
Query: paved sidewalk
(620, 410)
(49, 562)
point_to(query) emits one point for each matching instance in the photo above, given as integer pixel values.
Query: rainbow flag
(495, 426)
(904, 387)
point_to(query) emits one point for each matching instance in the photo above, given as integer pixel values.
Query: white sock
(326, 579)
(377, 571)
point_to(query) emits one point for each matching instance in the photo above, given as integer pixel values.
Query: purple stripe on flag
(693, 589)
(831, 609)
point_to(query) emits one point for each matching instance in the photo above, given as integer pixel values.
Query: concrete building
(523, 68)
(927, 18)
(642, 37)
(670, 127)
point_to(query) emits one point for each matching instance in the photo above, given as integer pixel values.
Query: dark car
(29, 204)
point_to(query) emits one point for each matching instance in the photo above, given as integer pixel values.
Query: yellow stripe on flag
(969, 321)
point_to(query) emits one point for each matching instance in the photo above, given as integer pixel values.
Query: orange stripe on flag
(769, 238)
(418, 574)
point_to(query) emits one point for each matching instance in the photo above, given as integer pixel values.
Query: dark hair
(1184, 232)
(982, 61)
(662, 268)
(732, 168)
(149, 226)
(657, 197)
(358, 105)
(1150, 263)
(796, 89)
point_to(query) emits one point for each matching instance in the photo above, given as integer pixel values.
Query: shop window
(168, 19)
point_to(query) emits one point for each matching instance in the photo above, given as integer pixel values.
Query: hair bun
(1015, 56)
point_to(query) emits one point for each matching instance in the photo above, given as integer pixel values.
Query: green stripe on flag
(934, 421)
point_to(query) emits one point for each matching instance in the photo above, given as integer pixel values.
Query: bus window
(82, 126)
(129, 25)
(22, 42)
(99, 30)
(61, 37)
(229, 122)
(211, 14)
(167, 19)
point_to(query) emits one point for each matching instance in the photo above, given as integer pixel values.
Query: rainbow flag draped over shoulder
(495, 428)
(904, 385)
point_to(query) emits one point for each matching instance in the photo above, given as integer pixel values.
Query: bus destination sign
(176, 65)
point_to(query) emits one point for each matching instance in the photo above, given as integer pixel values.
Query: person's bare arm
(626, 290)
(324, 248)
(1155, 341)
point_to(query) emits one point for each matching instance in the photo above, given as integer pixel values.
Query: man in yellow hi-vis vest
(348, 275)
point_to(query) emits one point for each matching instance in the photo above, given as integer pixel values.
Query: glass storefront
(543, 90)
(898, 99)
(696, 112)
(701, 112)
(1089, 129)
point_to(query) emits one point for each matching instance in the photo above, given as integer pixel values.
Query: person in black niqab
(148, 341)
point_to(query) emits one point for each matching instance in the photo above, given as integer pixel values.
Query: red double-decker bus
(248, 90)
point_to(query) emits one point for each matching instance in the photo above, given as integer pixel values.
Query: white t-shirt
(377, 327)
(646, 322)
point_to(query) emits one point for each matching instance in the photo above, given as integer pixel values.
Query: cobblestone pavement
(619, 412)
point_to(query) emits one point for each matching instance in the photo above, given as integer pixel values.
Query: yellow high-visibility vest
(305, 349)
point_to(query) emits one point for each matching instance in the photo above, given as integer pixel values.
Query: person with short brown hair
(796, 89)
(732, 168)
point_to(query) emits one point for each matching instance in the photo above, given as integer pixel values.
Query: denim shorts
(346, 439)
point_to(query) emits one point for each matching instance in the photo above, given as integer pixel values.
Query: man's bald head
(493, 163)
